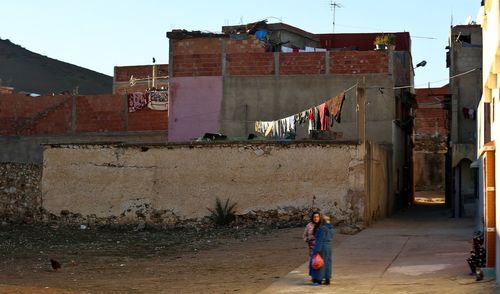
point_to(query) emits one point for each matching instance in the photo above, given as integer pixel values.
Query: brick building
(139, 78)
(26, 122)
(464, 60)
(431, 134)
(225, 82)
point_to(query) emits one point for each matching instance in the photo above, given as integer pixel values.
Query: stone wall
(168, 184)
(20, 195)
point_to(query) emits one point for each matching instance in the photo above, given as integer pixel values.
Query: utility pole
(334, 5)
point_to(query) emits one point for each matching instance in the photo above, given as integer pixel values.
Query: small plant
(222, 215)
(386, 39)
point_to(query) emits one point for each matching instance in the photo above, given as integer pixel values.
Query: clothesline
(153, 99)
(344, 91)
(320, 117)
(442, 80)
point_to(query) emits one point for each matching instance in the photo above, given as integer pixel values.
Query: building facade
(488, 131)
(431, 134)
(224, 83)
(464, 59)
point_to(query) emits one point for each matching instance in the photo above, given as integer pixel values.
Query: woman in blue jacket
(323, 246)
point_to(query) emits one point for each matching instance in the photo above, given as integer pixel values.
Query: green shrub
(387, 39)
(223, 215)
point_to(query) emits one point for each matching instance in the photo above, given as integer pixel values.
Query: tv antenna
(334, 5)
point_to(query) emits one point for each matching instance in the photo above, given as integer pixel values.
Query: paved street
(420, 250)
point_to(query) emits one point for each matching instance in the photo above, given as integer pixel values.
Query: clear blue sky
(101, 34)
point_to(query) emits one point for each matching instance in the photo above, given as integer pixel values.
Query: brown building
(139, 78)
(430, 138)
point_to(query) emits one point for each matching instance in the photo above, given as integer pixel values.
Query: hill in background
(31, 72)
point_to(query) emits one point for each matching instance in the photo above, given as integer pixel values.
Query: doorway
(429, 177)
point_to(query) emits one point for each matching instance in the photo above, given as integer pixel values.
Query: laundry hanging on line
(153, 99)
(158, 100)
(136, 101)
(319, 117)
(469, 113)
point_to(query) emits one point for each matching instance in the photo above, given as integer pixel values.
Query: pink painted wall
(194, 107)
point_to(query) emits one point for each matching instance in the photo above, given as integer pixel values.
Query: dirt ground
(149, 261)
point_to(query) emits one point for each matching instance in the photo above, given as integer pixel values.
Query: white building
(488, 132)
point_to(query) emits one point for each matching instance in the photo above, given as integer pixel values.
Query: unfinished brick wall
(359, 62)
(99, 113)
(56, 115)
(123, 73)
(302, 63)
(203, 57)
(24, 115)
(197, 57)
(147, 119)
(431, 115)
(248, 64)
(250, 45)
(142, 75)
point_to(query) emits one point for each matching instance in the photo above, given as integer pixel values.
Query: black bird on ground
(55, 265)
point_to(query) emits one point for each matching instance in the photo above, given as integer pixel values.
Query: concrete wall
(28, 149)
(259, 85)
(378, 170)
(429, 170)
(194, 107)
(398, 172)
(247, 99)
(126, 184)
(466, 89)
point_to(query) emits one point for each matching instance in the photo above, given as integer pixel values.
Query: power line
(442, 80)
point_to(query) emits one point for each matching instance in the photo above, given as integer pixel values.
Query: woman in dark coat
(323, 246)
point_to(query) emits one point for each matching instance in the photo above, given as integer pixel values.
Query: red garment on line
(324, 116)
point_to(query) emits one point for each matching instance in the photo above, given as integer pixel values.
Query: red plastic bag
(317, 262)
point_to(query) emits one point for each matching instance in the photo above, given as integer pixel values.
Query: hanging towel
(324, 115)
(269, 129)
(334, 106)
(471, 113)
(136, 101)
(310, 118)
(158, 100)
(317, 119)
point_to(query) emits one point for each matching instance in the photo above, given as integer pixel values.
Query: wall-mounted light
(421, 64)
